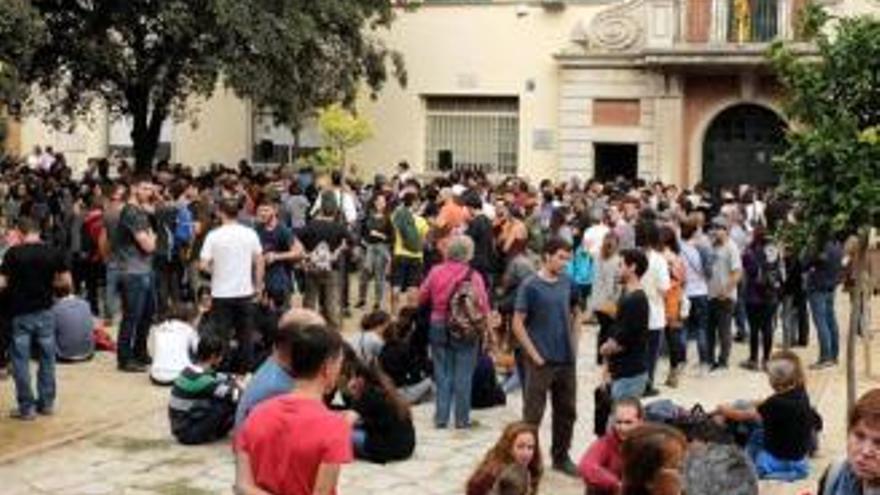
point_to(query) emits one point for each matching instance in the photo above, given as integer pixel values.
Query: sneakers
(718, 367)
(750, 365)
(20, 415)
(823, 363)
(132, 367)
(566, 467)
(651, 392)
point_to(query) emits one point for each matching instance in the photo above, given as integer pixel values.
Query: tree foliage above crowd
(832, 165)
(147, 59)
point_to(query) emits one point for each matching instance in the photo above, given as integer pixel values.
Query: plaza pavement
(110, 436)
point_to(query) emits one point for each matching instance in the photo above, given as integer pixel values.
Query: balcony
(737, 21)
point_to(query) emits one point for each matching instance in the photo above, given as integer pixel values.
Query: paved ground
(132, 453)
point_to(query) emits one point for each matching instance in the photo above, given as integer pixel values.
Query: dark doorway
(740, 145)
(616, 160)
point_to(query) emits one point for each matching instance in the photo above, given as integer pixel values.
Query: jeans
(375, 265)
(632, 386)
(676, 345)
(697, 325)
(323, 289)
(720, 319)
(112, 292)
(359, 441)
(559, 381)
(454, 364)
(36, 327)
(822, 307)
(761, 323)
(138, 307)
(168, 289)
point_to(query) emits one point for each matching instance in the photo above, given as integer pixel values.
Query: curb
(20, 454)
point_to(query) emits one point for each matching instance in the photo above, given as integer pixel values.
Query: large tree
(832, 165)
(146, 59)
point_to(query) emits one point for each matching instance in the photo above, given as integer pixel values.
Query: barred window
(472, 133)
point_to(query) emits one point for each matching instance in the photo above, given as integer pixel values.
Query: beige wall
(220, 132)
(473, 50)
(87, 138)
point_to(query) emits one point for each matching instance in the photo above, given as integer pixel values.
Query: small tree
(832, 165)
(342, 130)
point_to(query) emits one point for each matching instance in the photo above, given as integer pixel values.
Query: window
(472, 133)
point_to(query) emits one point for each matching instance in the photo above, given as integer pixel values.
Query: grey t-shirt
(727, 261)
(132, 258)
(73, 328)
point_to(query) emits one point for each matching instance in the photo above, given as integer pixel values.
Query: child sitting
(782, 428)
(202, 407)
(368, 343)
(384, 431)
(174, 340)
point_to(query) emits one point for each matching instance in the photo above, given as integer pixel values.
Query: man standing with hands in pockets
(544, 323)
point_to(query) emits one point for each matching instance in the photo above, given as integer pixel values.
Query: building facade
(671, 90)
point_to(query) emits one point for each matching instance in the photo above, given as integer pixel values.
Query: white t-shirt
(656, 282)
(231, 249)
(173, 341)
(593, 238)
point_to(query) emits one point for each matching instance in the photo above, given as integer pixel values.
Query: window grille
(480, 133)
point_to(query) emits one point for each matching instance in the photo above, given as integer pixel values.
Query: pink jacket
(437, 288)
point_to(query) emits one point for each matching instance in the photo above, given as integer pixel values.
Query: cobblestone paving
(139, 457)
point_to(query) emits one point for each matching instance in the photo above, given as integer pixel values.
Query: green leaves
(147, 58)
(832, 165)
(341, 131)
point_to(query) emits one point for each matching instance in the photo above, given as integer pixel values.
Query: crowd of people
(234, 287)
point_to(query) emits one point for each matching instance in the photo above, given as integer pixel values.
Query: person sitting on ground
(384, 431)
(859, 472)
(652, 460)
(406, 367)
(782, 428)
(174, 341)
(74, 328)
(716, 469)
(202, 406)
(293, 444)
(602, 466)
(518, 446)
(273, 376)
(368, 343)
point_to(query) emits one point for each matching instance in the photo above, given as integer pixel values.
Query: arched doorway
(739, 147)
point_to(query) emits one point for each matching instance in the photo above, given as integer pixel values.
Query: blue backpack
(580, 268)
(184, 230)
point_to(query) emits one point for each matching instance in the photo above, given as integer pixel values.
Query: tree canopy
(146, 59)
(832, 165)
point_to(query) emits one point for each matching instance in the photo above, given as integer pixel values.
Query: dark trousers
(720, 321)
(215, 423)
(90, 274)
(233, 318)
(170, 276)
(138, 308)
(795, 320)
(557, 380)
(676, 345)
(345, 267)
(322, 294)
(654, 337)
(761, 326)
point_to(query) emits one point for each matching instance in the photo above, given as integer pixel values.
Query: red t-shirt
(288, 438)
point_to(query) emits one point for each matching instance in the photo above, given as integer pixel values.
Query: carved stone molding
(619, 27)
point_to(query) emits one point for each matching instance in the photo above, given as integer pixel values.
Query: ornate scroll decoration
(619, 27)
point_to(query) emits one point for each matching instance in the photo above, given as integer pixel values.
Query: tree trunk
(857, 313)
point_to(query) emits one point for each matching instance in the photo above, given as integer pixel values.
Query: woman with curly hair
(518, 446)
